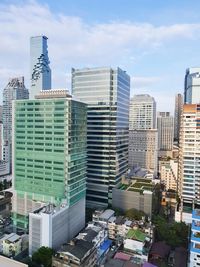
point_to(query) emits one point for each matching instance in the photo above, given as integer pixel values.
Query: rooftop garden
(138, 185)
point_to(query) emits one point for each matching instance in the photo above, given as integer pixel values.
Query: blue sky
(153, 40)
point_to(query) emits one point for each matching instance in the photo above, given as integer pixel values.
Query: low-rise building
(138, 243)
(77, 253)
(159, 250)
(102, 216)
(12, 245)
(51, 226)
(86, 249)
(139, 195)
(118, 227)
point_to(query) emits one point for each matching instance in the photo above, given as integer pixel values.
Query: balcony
(195, 237)
(195, 226)
(196, 214)
(194, 250)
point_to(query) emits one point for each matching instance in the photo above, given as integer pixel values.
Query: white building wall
(169, 173)
(54, 229)
(143, 149)
(142, 112)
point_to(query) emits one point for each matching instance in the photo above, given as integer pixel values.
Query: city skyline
(140, 39)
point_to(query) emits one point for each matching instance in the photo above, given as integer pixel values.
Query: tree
(175, 234)
(134, 214)
(43, 256)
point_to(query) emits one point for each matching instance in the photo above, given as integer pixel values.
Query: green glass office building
(49, 163)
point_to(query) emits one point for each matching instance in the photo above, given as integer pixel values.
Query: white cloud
(143, 81)
(73, 42)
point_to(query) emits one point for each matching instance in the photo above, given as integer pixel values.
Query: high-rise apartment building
(192, 86)
(165, 124)
(177, 115)
(40, 70)
(49, 156)
(189, 161)
(194, 247)
(143, 149)
(14, 90)
(106, 92)
(142, 114)
(168, 170)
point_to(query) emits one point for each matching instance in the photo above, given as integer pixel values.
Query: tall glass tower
(14, 90)
(107, 93)
(49, 155)
(192, 86)
(40, 70)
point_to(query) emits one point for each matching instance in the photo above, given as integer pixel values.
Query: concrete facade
(126, 200)
(143, 149)
(165, 124)
(53, 226)
(169, 173)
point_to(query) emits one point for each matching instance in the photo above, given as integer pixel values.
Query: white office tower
(143, 149)
(192, 86)
(106, 92)
(165, 124)
(142, 115)
(143, 137)
(189, 162)
(177, 115)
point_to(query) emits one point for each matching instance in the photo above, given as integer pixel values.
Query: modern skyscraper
(189, 161)
(177, 115)
(192, 86)
(143, 149)
(106, 92)
(49, 161)
(142, 113)
(165, 124)
(143, 137)
(40, 70)
(14, 90)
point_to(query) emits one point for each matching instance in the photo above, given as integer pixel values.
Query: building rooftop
(119, 220)
(53, 93)
(78, 249)
(120, 263)
(12, 238)
(106, 214)
(136, 235)
(138, 185)
(87, 235)
(49, 209)
(160, 248)
(112, 219)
